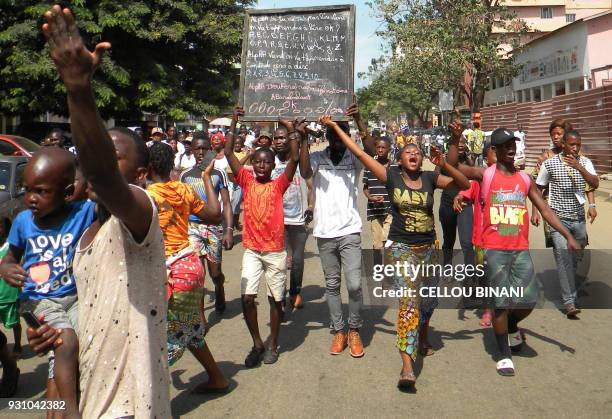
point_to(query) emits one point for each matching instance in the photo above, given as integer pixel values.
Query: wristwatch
(592, 206)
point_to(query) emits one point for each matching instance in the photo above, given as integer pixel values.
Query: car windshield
(5, 176)
(28, 145)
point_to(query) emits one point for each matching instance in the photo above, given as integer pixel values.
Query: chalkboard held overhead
(297, 62)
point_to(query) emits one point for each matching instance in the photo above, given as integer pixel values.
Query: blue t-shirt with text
(48, 253)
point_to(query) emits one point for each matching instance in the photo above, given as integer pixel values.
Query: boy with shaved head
(45, 236)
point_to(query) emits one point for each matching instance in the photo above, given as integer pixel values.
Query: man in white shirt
(337, 227)
(519, 157)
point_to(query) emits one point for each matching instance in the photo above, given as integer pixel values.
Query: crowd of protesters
(111, 254)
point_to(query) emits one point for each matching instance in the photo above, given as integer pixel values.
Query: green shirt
(8, 294)
(475, 139)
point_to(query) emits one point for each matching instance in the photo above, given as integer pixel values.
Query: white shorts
(272, 265)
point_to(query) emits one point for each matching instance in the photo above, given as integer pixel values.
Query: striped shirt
(376, 188)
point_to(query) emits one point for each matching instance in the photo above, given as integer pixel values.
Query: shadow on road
(186, 401)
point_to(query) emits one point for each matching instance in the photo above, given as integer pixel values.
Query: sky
(367, 44)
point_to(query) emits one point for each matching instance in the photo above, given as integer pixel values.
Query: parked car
(13, 145)
(12, 189)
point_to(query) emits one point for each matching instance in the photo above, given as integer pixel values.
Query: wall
(590, 112)
(600, 37)
(574, 36)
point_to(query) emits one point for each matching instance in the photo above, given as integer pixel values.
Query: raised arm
(368, 141)
(97, 154)
(368, 161)
(232, 160)
(294, 154)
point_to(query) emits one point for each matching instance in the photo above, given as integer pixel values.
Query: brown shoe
(296, 301)
(338, 344)
(355, 344)
(571, 310)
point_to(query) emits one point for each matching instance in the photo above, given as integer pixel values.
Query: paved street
(564, 371)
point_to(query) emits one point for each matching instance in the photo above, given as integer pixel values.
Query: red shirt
(473, 194)
(505, 215)
(264, 221)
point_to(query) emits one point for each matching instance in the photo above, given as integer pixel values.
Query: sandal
(406, 381)
(485, 321)
(205, 389)
(426, 351)
(505, 367)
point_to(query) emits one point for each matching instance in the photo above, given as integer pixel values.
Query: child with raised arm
(263, 238)
(411, 235)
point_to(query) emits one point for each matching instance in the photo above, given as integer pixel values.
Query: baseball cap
(157, 130)
(501, 135)
(265, 134)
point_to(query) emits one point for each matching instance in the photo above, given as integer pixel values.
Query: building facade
(570, 59)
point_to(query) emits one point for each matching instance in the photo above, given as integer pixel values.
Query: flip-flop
(426, 351)
(211, 390)
(505, 367)
(406, 381)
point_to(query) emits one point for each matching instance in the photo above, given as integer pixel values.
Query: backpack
(487, 178)
(485, 186)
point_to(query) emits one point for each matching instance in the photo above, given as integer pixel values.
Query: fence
(590, 112)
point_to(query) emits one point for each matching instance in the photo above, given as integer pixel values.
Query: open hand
(436, 157)
(456, 128)
(75, 63)
(571, 161)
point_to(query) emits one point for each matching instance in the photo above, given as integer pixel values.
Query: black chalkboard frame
(296, 10)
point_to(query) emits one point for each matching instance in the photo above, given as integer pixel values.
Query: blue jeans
(337, 254)
(566, 260)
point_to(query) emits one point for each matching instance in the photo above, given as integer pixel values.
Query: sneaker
(355, 344)
(571, 310)
(254, 357)
(338, 344)
(270, 356)
(296, 301)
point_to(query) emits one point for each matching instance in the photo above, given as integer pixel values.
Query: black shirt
(412, 209)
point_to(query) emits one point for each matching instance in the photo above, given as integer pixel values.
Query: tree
(168, 57)
(451, 44)
(392, 92)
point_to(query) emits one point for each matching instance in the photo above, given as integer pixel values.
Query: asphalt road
(563, 372)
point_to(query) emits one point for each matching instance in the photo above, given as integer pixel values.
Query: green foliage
(168, 57)
(438, 42)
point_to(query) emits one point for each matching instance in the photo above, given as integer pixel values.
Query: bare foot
(212, 387)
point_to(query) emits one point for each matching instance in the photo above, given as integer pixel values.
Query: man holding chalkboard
(337, 227)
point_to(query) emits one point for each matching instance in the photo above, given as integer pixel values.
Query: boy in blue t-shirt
(44, 238)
